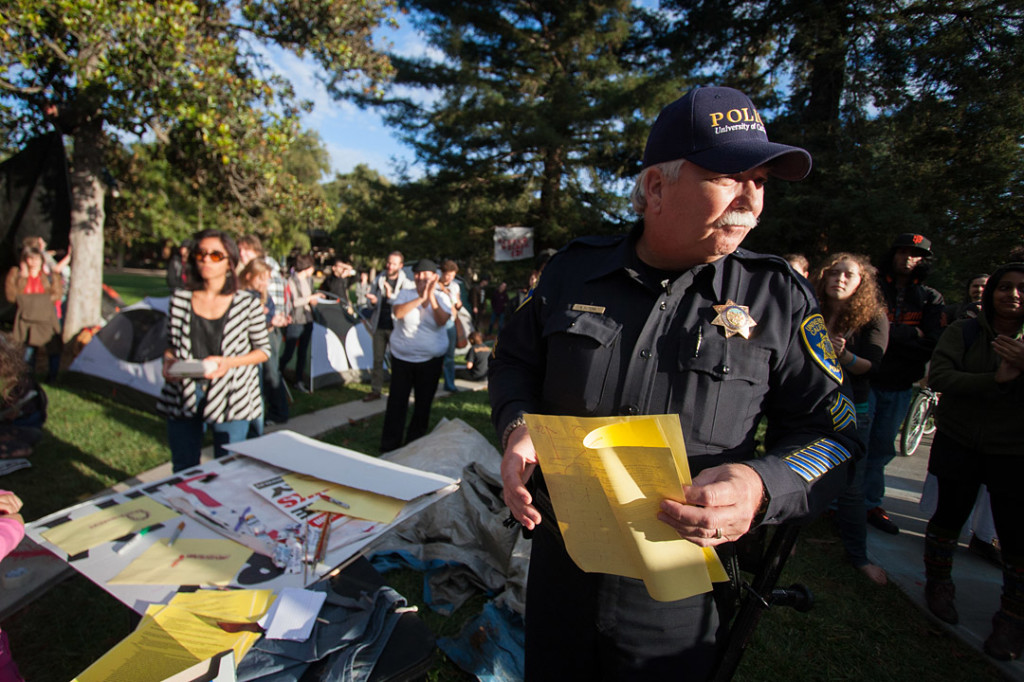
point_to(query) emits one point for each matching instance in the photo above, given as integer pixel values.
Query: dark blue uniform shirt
(603, 334)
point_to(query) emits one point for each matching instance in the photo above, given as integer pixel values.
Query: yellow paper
(607, 478)
(166, 642)
(107, 524)
(189, 562)
(232, 606)
(361, 503)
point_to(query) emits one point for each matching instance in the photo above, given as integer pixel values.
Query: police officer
(673, 318)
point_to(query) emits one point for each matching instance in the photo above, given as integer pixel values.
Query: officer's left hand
(725, 497)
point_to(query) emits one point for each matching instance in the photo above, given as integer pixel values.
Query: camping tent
(128, 350)
(339, 346)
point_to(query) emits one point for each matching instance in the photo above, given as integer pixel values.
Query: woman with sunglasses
(211, 320)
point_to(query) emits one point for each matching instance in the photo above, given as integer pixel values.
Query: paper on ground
(190, 562)
(607, 478)
(164, 644)
(361, 503)
(74, 537)
(293, 614)
(293, 452)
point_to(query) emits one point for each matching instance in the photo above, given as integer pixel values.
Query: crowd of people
(670, 318)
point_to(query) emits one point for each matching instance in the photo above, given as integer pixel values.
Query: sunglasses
(215, 256)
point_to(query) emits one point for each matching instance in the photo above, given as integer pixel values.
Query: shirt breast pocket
(726, 384)
(581, 350)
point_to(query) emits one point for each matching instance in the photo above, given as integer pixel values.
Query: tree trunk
(87, 216)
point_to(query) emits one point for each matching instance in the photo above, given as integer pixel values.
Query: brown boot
(940, 594)
(1007, 638)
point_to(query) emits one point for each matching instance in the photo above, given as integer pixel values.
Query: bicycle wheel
(914, 425)
(929, 420)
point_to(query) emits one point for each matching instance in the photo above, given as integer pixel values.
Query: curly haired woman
(859, 331)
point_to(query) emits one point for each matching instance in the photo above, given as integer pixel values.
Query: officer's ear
(654, 185)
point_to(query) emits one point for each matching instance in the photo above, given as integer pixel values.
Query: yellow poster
(607, 478)
(232, 606)
(189, 562)
(108, 524)
(167, 641)
(362, 504)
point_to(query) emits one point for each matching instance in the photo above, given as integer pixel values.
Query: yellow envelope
(607, 478)
(108, 524)
(190, 562)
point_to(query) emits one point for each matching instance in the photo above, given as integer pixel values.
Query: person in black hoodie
(915, 323)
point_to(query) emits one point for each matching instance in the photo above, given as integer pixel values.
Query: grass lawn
(135, 286)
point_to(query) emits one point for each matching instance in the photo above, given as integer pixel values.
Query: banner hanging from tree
(513, 243)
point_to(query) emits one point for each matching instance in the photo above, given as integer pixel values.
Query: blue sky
(352, 135)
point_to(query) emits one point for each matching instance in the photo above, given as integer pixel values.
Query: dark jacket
(974, 410)
(915, 307)
(600, 337)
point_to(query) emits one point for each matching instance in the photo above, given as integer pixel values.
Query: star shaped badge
(734, 319)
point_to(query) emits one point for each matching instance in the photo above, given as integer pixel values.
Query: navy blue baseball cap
(719, 129)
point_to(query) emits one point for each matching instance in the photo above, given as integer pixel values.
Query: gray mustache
(740, 218)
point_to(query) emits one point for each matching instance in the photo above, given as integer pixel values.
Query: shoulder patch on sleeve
(529, 296)
(815, 338)
(843, 412)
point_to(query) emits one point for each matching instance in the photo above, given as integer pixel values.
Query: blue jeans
(185, 436)
(886, 410)
(850, 518)
(449, 357)
(298, 335)
(53, 365)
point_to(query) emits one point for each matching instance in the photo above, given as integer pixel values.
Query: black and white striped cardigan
(234, 396)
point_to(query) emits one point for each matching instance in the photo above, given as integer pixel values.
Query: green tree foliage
(539, 100)
(157, 202)
(913, 112)
(191, 73)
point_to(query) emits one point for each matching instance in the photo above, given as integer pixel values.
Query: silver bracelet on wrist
(512, 426)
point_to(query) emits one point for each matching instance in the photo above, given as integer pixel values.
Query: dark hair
(15, 377)
(449, 266)
(193, 281)
(27, 251)
(967, 284)
(253, 242)
(993, 282)
(476, 338)
(303, 261)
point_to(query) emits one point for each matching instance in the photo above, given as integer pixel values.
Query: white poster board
(220, 490)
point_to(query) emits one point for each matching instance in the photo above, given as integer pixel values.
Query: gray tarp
(466, 527)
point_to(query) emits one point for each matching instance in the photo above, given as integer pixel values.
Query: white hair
(669, 169)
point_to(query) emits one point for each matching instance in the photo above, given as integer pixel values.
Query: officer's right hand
(517, 466)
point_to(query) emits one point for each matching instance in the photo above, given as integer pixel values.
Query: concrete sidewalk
(978, 583)
(312, 424)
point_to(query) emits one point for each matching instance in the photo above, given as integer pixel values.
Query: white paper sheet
(293, 614)
(294, 452)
